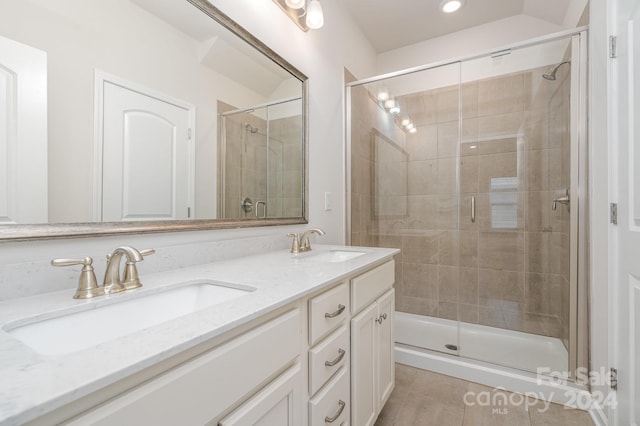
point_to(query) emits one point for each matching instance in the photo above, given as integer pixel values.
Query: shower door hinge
(613, 378)
(189, 133)
(612, 46)
(613, 213)
(188, 212)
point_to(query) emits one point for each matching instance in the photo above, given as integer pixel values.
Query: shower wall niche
(485, 149)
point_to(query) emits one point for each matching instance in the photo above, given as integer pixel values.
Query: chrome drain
(451, 347)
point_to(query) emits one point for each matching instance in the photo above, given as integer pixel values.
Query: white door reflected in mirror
(23, 133)
(146, 164)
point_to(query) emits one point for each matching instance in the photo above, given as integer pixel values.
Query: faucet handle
(295, 244)
(87, 283)
(147, 252)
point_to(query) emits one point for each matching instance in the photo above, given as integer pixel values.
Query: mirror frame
(96, 229)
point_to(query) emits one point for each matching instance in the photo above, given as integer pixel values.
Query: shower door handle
(264, 209)
(473, 209)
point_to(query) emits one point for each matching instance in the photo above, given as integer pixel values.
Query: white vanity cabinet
(329, 355)
(372, 342)
(200, 390)
(275, 405)
(322, 359)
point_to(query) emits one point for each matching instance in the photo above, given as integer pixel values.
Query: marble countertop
(32, 384)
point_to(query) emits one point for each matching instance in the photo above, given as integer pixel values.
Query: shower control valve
(565, 199)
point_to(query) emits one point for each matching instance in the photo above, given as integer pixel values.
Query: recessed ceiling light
(450, 6)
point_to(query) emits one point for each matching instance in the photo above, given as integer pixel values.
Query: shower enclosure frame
(222, 151)
(579, 257)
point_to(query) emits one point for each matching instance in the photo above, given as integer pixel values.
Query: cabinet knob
(342, 404)
(381, 318)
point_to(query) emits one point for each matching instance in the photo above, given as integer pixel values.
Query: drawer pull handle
(342, 404)
(336, 313)
(341, 353)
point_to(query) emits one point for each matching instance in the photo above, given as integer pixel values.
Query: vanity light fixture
(305, 13)
(408, 125)
(450, 6)
(315, 17)
(392, 106)
(383, 95)
(294, 4)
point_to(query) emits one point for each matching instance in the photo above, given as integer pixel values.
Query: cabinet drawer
(327, 357)
(207, 385)
(278, 403)
(368, 286)
(327, 311)
(332, 402)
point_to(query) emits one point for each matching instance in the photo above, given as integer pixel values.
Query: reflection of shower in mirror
(250, 128)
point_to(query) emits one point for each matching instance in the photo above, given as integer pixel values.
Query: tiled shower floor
(423, 398)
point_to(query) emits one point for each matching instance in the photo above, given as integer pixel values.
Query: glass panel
(515, 160)
(284, 169)
(404, 194)
(263, 159)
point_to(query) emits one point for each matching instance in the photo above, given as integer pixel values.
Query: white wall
(321, 55)
(478, 39)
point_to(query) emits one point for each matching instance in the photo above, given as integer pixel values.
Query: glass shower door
(405, 193)
(515, 216)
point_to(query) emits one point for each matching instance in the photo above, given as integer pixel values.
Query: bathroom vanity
(295, 340)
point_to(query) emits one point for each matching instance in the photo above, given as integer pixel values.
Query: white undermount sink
(333, 256)
(75, 330)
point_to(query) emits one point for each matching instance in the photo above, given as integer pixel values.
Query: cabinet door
(363, 365)
(277, 404)
(386, 364)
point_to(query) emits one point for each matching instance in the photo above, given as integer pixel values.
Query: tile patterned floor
(423, 398)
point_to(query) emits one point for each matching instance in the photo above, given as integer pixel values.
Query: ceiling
(390, 24)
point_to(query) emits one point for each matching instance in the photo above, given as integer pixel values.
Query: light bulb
(395, 110)
(405, 122)
(294, 4)
(410, 126)
(383, 95)
(450, 6)
(413, 130)
(315, 17)
(389, 103)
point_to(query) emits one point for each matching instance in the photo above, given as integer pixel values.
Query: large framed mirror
(129, 116)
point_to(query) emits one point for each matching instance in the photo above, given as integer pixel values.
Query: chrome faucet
(112, 282)
(305, 245)
(88, 285)
(301, 243)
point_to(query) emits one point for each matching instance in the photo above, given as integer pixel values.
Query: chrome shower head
(551, 75)
(250, 128)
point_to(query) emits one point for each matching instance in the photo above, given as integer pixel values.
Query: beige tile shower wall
(513, 277)
(253, 166)
(245, 162)
(285, 167)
